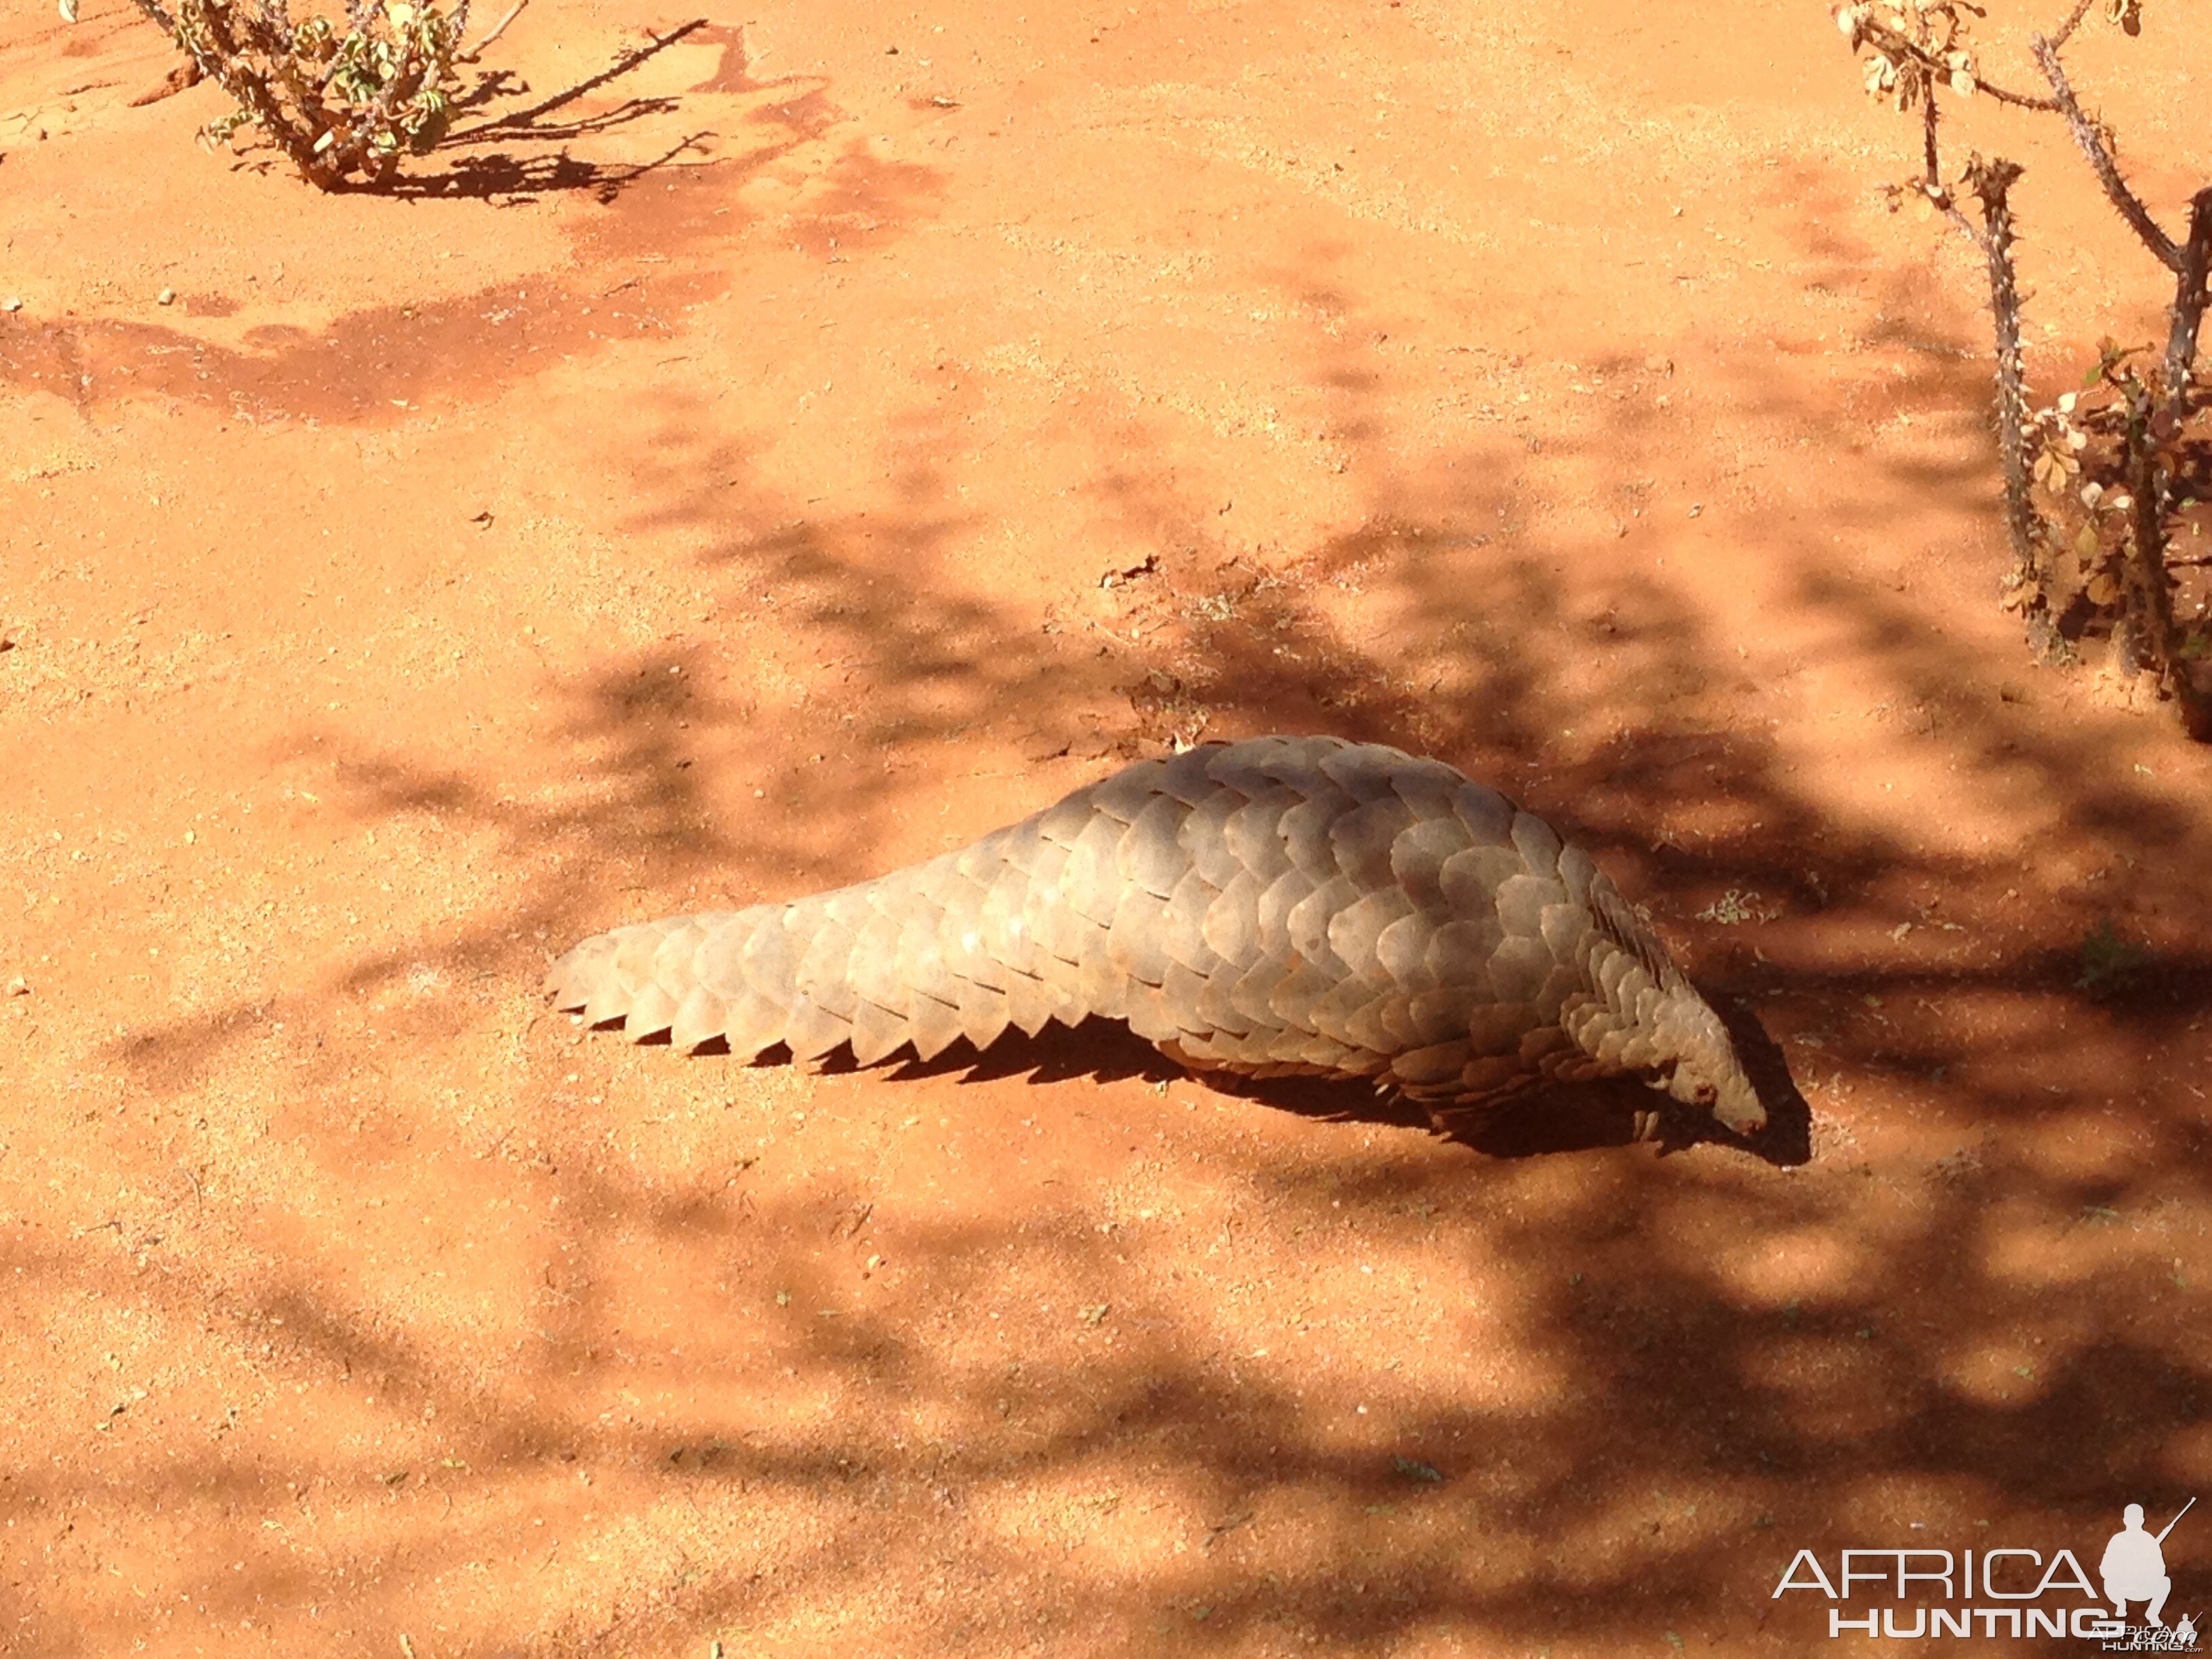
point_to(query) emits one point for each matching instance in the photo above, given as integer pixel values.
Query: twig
(1965, 226)
(2100, 153)
(497, 29)
(1932, 186)
(2066, 29)
(2018, 101)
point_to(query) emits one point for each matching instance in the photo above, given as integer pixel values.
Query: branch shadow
(519, 178)
(526, 123)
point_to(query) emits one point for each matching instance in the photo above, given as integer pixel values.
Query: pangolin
(1280, 905)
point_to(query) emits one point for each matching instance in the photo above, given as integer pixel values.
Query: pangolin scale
(1277, 906)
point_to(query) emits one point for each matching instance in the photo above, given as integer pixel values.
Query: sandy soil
(844, 430)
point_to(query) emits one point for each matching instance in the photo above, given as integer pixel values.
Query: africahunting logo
(1906, 1594)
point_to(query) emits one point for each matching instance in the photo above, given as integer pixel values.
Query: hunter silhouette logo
(2134, 1568)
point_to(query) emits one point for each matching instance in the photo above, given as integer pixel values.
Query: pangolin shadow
(1787, 1140)
(1566, 1117)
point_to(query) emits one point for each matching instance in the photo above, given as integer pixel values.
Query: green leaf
(431, 132)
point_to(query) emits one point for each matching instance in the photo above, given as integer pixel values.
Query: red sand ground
(707, 488)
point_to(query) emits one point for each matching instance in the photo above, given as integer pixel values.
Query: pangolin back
(1280, 905)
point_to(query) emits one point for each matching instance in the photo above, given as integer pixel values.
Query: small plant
(343, 104)
(1733, 908)
(2107, 959)
(2113, 462)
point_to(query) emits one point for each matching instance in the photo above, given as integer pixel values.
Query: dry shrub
(345, 102)
(2100, 483)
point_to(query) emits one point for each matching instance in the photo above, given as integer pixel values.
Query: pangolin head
(1706, 1071)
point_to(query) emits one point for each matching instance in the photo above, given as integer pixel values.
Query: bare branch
(1966, 226)
(2092, 141)
(2194, 270)
(1991, 181)
(1932, 186)
(497, 29)
(2018, 101)
(2074, 22)
(2146, 636)
(2150, 634)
